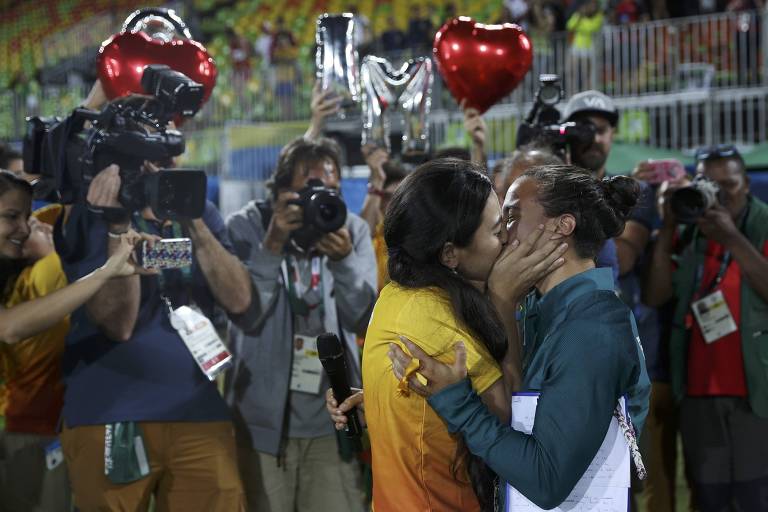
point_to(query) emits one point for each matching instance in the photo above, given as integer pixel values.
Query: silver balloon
(336, 58)
(158, 23)
(387, 90)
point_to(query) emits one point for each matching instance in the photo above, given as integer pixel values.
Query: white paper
(605, 484)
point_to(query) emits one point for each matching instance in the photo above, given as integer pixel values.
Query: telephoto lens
(689, 203)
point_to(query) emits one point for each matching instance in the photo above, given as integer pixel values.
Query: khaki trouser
(193, 467)
(309, 477)
(26, 483)
(660, 443)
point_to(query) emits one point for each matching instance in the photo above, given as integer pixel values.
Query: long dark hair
(10, 268)
(601, 208)
(443, 201)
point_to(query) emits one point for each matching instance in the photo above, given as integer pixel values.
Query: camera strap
(304, 297)
(725, 263)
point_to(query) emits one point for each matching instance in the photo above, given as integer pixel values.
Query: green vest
(754, 314)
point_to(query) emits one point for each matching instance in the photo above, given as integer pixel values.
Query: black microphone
(331, 354)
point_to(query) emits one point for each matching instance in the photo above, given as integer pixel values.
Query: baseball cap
(718, 151)
(591, 102)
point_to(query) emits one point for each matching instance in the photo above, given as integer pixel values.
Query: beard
(592, 158)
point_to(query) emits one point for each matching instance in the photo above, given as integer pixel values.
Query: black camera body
(127, 132)
(690, 202)
(323, 211)
(543, 121)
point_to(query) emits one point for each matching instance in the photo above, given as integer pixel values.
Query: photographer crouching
(711, 257)
(313, 270)
(142, 414)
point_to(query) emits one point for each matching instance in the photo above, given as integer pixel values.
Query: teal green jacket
(581, 353)
(754, 314)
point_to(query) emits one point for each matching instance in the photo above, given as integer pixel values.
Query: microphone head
(329, 346)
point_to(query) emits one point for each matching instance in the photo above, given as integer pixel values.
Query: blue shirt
(608, 258)
(581, 354)
(153, 376)
(630, 288)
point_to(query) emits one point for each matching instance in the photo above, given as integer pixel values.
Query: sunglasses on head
(719, 151)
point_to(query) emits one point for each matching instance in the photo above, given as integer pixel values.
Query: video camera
(543, 121)
(67, 154)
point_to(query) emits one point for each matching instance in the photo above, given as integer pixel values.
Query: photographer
(288, 451)
(715, 268)
(137, 406)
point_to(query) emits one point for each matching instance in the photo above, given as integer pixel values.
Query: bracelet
(117, 236)
(375, 191)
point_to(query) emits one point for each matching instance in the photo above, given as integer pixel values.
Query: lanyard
(725, 263)
(186, 272)
(297, 291)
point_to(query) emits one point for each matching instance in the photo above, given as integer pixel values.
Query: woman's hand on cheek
(523, 264)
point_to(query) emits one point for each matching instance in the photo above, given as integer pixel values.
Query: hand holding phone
(168, 253)
(655, 172)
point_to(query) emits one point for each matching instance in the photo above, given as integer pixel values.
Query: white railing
(687, 81)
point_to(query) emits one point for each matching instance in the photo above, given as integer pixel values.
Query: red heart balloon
(481, 63)
(123, 56)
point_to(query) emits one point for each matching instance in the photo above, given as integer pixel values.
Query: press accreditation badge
(307, 371)
(201, 339)
(714, 317)
(53, 455)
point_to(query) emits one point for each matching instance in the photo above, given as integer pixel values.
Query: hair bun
(621, 195)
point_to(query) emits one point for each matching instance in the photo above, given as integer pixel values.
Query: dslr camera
(68, 153)
(323, 212)
(543, 121)
(690, 202)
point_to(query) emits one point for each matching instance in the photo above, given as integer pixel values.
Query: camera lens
(549, 94)
(688, 204)
(328, 211)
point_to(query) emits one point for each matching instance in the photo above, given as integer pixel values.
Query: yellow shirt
(382, 258)
(584, 29)
(411, 447)
(32, 393)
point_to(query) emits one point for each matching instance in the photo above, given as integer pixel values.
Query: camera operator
(137, 406)
(715, 269)
(597, 109)
(288, 451)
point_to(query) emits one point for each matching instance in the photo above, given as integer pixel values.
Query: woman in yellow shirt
(33, 324)
(443, 230)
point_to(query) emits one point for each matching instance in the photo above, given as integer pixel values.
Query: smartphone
(668, 169)
(168, 253)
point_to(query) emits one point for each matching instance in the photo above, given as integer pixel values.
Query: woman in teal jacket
(580, 348)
